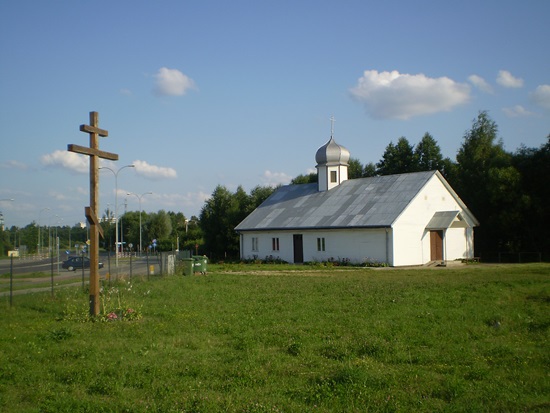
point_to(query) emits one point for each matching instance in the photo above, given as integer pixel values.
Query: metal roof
(332, 153)
(448, 219)
(355, 203)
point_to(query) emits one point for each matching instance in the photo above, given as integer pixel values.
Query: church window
(255, 244)
(320, 244)
(275, 244)
(333, 176)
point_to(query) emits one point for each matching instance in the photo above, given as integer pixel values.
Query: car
(74, 263)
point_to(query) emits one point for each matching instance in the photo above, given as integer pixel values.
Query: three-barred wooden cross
(95, 229)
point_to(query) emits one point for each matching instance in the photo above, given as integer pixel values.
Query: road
(25, 267)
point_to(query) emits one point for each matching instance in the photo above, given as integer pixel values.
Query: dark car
(74, 263)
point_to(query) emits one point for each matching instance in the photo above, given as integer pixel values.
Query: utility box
(199, 263)
(188, 264)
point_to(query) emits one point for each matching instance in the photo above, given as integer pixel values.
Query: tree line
(507, 192)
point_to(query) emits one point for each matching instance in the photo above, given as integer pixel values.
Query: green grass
(35, 280)
(290, 339)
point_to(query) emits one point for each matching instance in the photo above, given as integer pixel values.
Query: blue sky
(197, 94)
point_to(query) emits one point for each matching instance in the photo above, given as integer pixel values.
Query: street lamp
(116, 207)
(139, 198)
(39, 238)
(50, 234)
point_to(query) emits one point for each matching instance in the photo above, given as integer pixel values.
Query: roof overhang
(448, 219)
(298, 229)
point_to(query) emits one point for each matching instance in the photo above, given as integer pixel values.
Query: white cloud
(517, 111)
(154, 172)
(275, 178)
(480, 83)
(13, 164)
(506, 79)
(392, 95)
(541, 96)
(125, 92)
(172, 82)
(59, 196)
(69, 160)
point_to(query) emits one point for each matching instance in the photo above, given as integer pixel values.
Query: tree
(369, 170)
(533, 165)
(222, 213)
(219, 236)
(129, 229)
(428, 154)
(258, 195)
(397, 159)
(355, 169)
(488, 184)
(158, 226)
(305, 179)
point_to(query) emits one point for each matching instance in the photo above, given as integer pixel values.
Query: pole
(51, 272)
(82, 254)
(116, 209)
(140, 209)
(11, 280)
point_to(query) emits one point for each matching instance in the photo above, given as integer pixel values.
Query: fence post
(11, 280)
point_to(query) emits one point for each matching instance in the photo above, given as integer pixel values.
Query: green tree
(355, 169)
(369, 170)
(305, 179)
(222, 213)
(215, 220)
(158, 226)
(533, 165)
(488, 184)
(397, 159)
(428, 154)
(258, 195)
(129, 231)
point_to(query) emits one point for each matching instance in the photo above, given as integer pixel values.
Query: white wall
(412, 241)
(458, 243)
(357, 245)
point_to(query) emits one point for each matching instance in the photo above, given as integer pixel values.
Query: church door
(436, 245)
(298, 248)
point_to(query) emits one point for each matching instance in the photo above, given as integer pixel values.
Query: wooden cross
(95, 229)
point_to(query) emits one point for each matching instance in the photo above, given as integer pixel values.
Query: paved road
(23, 269)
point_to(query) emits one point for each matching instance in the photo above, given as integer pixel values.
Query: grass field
(286, 339)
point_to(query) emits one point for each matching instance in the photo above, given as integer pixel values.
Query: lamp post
(116, 207)
(139, 199)
(39, 238)
(50, 246)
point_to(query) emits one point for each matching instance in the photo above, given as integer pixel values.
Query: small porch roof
(448, 219)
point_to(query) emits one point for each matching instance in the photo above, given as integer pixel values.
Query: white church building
(405, 219)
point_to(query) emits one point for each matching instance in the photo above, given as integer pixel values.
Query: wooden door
(298, 248)
(436, 245)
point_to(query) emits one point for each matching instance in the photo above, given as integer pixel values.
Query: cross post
(95, 229)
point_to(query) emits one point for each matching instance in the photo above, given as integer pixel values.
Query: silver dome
(332, 153)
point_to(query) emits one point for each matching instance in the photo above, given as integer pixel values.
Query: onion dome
(332, 153)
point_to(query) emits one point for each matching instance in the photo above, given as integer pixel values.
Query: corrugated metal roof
(355, 203)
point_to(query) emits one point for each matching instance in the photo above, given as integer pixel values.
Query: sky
(197, 94)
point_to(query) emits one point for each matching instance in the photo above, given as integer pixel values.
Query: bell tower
(332, 163)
